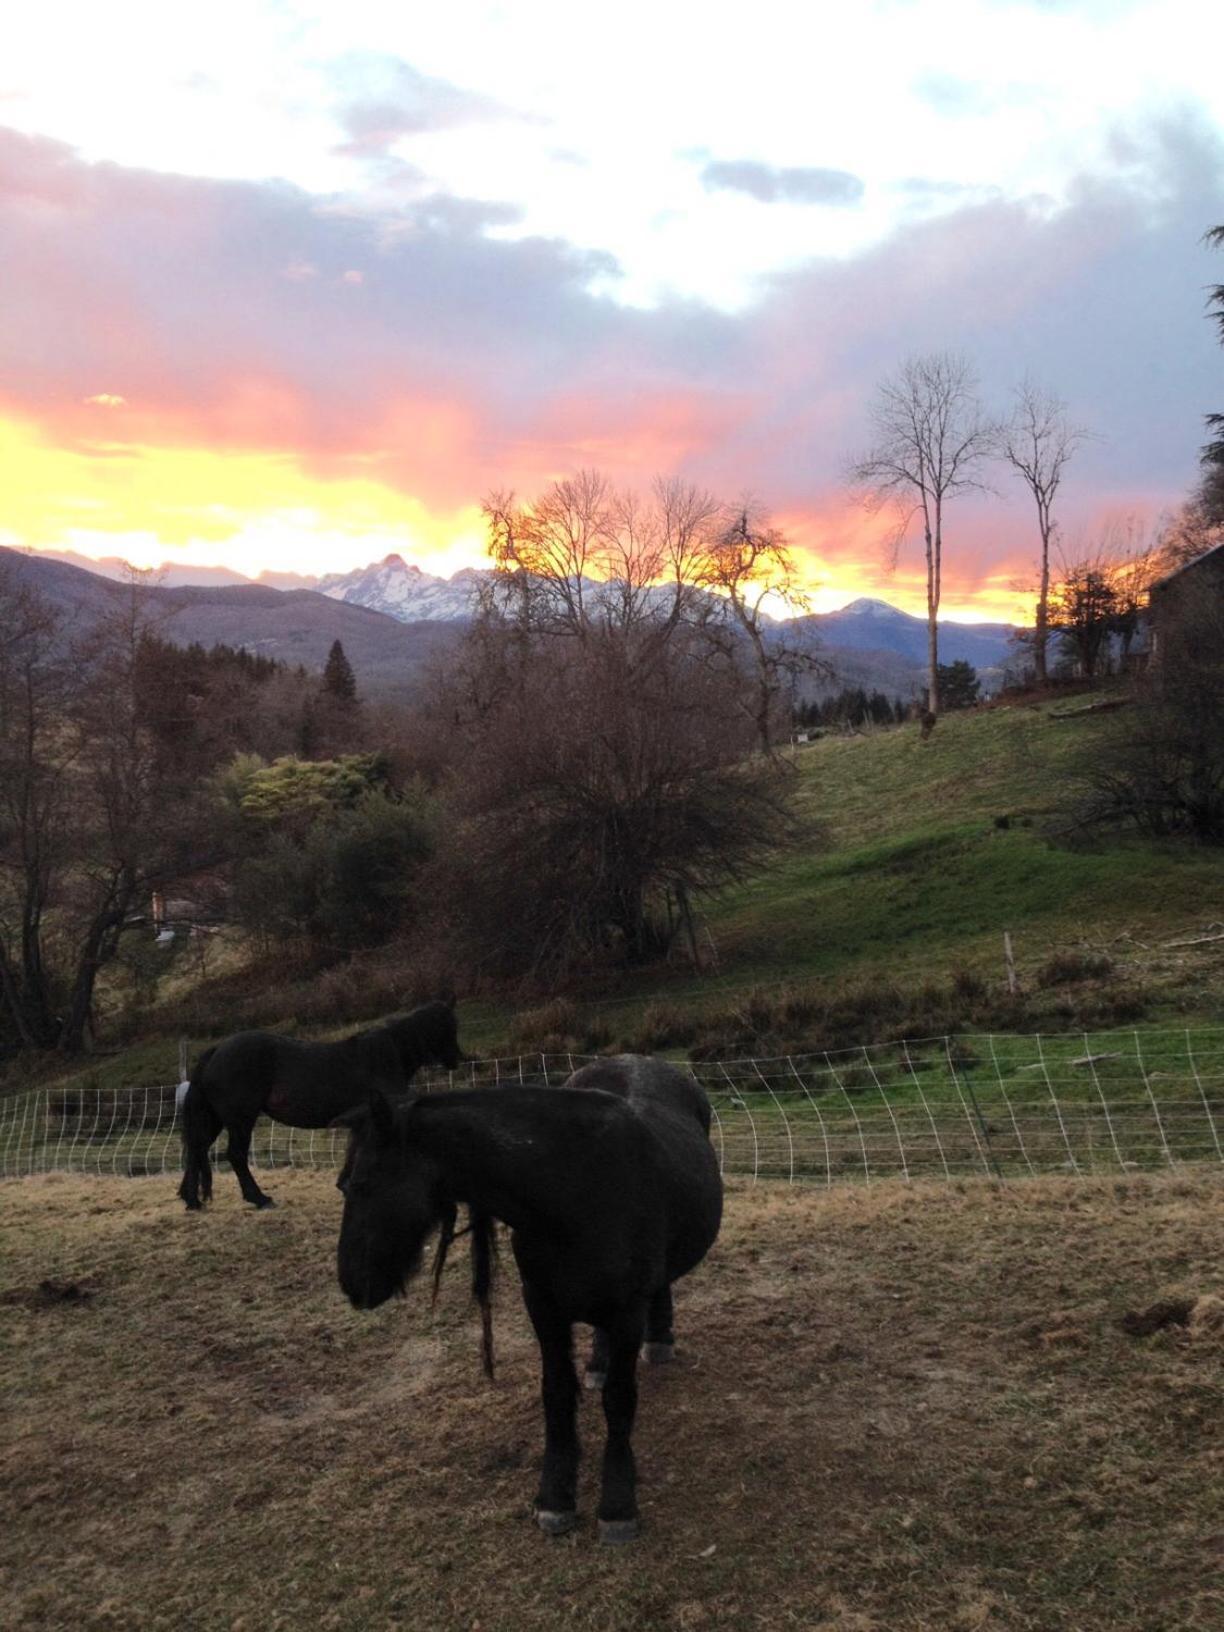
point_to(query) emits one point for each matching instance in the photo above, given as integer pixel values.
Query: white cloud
(975, 94)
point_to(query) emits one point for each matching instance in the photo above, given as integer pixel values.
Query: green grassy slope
(916, 878)
(910, 885)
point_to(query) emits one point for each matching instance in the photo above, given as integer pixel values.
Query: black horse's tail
(482, 1228)
(201, 1124)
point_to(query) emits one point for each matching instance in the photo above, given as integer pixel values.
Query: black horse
(306, 1085)
(611, 1194)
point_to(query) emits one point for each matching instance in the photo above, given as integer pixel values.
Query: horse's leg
(660, 1338)
(236, 1153)
(596, 1371)
(618, 1515)
(556, 1503)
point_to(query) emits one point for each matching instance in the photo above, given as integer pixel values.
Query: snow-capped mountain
(405, 592)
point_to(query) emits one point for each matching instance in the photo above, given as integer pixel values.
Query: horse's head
(428, 1036)
(392, 1201)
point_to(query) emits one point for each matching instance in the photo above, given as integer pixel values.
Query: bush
(1067, 968)
(556, 1027)
(345, 882)
(663, 1025)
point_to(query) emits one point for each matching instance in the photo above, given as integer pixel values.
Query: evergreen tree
(958, 684)
(339, 681)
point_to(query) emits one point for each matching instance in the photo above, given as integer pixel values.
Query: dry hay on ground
(899, 1408)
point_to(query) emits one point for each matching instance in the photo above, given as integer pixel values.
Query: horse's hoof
(659, 1354)
(616, 1532)
(594, 1379)
(265, 1201)
(555, 1524)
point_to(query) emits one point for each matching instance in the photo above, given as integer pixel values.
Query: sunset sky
(287, 286)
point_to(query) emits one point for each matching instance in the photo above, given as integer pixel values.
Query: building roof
(1186, 566)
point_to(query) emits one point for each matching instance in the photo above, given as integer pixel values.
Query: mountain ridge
(392, 617)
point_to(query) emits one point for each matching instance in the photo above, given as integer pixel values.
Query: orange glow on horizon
(249, 511)
(253, 511)
(843, 555)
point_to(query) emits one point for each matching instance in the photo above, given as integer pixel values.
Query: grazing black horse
(611, 1190)
(306, 1085)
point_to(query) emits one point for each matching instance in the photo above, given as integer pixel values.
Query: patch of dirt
(909, 1408)
(48, 1294)
(1157, 1317)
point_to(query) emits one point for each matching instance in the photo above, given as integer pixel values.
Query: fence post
(977, 1111)
(1009, 958)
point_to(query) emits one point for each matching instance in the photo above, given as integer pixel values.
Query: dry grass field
(899, 1407)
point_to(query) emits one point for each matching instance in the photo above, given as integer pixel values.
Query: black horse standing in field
(611, 1190)
(306, 1085)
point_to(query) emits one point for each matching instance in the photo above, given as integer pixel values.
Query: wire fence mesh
(1000, 1106)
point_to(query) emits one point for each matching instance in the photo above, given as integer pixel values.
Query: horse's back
(244, 1050)
(302, 1084)
(650, 1085)
(673, 1112)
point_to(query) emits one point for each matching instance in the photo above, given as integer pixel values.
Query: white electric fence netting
(999, 1106)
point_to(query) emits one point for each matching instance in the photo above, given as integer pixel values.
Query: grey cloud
(176, 289)
(385, 99)
(772, 184)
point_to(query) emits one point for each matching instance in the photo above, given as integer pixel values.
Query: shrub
(1066, 968)
(346, 881)
(968, 986)
(663, 1025)
(556, 1027)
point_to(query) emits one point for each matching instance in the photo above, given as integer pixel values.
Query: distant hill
(294, 626)
(392, 618)
(874, 626)
(175, 574)
(169, 576)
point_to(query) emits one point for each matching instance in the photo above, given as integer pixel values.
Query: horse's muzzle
(368, 1285)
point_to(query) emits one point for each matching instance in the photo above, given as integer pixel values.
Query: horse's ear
(381, 1116)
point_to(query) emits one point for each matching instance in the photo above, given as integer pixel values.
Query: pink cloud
(224, 314)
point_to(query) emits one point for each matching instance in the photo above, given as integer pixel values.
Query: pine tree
(339, 682)
(959, 685)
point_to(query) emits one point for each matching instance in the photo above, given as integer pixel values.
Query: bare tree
(585, 554)
(750, 563)
(38, 750)
(87, 827)
(931, 440)
(586, 557)
(584, 831)
(548, 552)
(1037, 441)
(1186, 533)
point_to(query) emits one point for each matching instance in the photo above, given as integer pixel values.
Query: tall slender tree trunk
(932, 557)
(10, 990)
(1042, 634)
